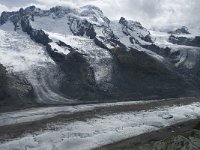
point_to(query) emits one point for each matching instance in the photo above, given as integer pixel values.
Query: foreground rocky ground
(192, 142)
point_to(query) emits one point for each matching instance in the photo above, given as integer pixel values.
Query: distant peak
(181, 30)
(125, 22)
(91, 7)
(30, 8)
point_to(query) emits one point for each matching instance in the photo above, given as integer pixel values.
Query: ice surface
(48, 112)
(85, 135)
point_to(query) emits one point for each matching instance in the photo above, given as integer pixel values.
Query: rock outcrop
(185, 41)
(180, 142)
(15, 92)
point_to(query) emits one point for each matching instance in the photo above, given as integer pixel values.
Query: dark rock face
(165, 52)
(80, 78)
(132, 25)
(3, 83)
(79, 81)
(37, 35)
(81, 27)
(185, 41)
(196, 41)
(182, 30)
(137, 75)
(40, 37)
(190, 75)
(5, 16)
(15, 92)
(114, 42)
(147, 38)
(129, 78)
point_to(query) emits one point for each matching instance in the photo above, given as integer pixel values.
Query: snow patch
(59, 49)
(8, 26)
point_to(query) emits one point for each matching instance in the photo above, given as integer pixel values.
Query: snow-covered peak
(95, 14)
(181, 30)
(84, 21)
(92, 9)
(130, 23)
(31, 10)
(57, 12)
(133, 27)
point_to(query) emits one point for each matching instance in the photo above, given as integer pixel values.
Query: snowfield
(92, 133)
(22, 56)
(18, 52)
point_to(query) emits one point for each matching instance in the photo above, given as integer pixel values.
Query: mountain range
(70, 55)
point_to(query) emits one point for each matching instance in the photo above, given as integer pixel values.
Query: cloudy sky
(151, 13)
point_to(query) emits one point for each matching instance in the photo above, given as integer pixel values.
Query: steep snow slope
(52, 24)
(18, 52)
(126, 38)
(21, 56)
(117, 29)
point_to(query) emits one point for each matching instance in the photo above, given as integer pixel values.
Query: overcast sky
(151, 13)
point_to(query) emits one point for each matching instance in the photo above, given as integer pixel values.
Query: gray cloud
(3, 7)
(157, 13)
(15, 3)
